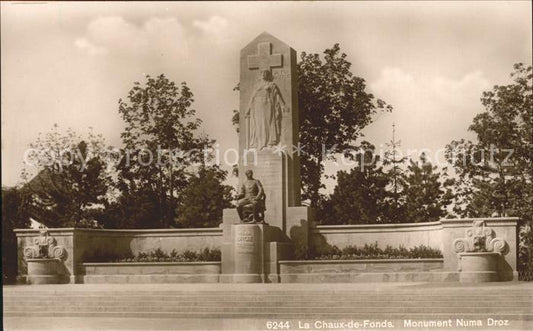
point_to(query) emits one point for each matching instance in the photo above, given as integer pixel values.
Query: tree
(427, 192)
(334, 108)
(71, 184)
(134, 209)
(161, 145)
(360, 195)
(204, 199)
(396, 198)
(365, 195)
(496, 171)
(15, 215)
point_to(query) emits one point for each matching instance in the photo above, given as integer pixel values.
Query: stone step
(271, 296)
(433, 307)
(485, 291)
(283, 315)
(206, 301)
(26, 290)
(86, 302)
(267, 298)
(244, 301)
(125, 289)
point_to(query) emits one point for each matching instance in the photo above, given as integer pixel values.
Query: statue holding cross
(264, 111)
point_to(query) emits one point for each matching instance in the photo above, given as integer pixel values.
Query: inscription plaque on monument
(248, 247)
(244, 241)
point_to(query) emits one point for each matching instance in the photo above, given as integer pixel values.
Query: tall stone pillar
(269, 146)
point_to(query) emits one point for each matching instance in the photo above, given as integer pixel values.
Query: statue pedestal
(248, 248)
(250, 253)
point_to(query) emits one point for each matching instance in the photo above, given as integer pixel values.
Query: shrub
(15, 214)
(372, 251)
(160, 256)
(525, 253)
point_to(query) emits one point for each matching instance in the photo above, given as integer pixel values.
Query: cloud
(216, 28)
(92, 49)
(156, 36)
(420, 97)
(429, 111)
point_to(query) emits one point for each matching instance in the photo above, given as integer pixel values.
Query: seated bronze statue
(251, 206)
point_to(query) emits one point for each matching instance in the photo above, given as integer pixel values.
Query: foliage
(427, 192)
(334, 107)
(159, 122)
(137, 209)
(359, 197)
(393, 166)
(525, 251)
(496, 170)
(72, 180)
(372, 251)
(204, 199)
(14, 215)
(159, 255)
(366, 195)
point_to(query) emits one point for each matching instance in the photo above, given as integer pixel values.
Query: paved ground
(268, 287)
(101, 323)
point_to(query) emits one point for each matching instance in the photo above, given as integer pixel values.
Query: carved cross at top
(264, 59)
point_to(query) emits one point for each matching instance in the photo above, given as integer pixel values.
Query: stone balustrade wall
(440, 235)
(84, 245)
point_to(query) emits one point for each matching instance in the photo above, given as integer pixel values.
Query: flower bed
(373, 252)
(205, 255)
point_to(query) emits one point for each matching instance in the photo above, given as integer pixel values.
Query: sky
(70, 63)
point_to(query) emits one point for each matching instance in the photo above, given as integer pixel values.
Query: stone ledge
(490, 221)
(125, 232)
(149, 268)
(105, 264)
(374, 277)
(350, 267)
(145, 279)
(438, 260)
(431, 226)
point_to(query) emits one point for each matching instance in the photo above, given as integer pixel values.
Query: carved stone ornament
(480, 238)
(45, 247)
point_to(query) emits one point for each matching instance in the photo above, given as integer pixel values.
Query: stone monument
(268, 142)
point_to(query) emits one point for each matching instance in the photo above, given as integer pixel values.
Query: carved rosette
(498, 245)
(480, 238)
(59, 252)
(44, 247)
(460, 245)
(31, 252)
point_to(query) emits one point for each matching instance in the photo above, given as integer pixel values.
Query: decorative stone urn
(44, 259)
(479, 253)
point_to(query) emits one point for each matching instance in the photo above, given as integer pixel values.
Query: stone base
(151, 279)
(370, 277)
(250, 253)
(248, 278)
(478, 267)
(478, 276)
(43, 271)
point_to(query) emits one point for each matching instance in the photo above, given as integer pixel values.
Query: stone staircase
(512, 301)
